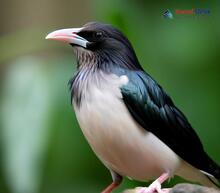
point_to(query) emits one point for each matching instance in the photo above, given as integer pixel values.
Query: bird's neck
(93, 67)
(106, 61)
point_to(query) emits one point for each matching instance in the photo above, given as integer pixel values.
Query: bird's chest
(102, 115)
(103, 119)
(116, 138)
(109, 128)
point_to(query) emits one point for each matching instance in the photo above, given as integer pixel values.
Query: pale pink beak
(68, 35)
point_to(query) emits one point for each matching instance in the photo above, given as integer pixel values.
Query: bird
(128, 119)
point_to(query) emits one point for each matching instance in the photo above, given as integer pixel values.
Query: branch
(186, 188)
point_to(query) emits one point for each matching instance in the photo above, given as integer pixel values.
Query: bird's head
(98, 42)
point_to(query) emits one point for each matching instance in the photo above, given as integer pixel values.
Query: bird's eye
(98, 35)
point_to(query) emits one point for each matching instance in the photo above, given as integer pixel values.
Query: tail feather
(213, 168)
(193, 174)
(213, 171)
(214, 181)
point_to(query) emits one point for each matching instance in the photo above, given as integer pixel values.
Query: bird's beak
(68, 35)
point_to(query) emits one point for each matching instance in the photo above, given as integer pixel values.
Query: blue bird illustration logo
(168, 14)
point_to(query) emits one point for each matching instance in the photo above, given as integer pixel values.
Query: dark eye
(98, 35)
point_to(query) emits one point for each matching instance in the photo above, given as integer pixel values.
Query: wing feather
(155, 111)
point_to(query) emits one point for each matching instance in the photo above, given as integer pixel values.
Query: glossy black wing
(154, 110)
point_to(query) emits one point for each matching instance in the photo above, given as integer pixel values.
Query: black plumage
(109, 51)
(155, 111)
(146, 100)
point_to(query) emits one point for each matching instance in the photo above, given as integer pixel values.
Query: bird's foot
(155, 186)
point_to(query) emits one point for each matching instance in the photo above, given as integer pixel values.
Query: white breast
(120, 143)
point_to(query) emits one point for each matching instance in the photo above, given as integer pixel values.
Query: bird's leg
(117, 179)
(155, 186)
(111, 187)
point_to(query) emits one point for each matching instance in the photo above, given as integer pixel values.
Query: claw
(155, 186)
(147, 190)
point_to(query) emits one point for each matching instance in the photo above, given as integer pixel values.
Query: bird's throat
(85, 58)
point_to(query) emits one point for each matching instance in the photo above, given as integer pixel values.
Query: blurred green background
(42, 149)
